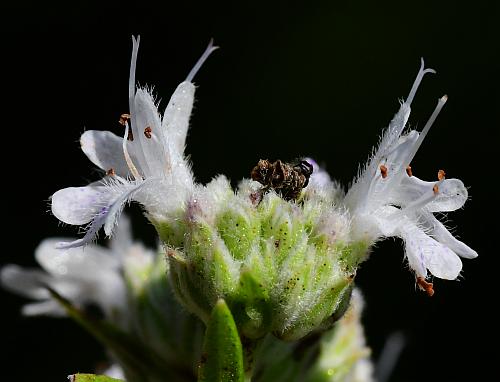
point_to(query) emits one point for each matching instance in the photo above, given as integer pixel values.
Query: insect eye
(306, 168)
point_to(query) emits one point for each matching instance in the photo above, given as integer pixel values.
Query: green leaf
(222, 357)
(91, 378)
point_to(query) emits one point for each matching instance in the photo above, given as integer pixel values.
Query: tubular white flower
(388, 200)
(151, 152)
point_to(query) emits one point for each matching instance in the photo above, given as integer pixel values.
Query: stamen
(427, 127)
(441, 175)
(130, 164)
(123, 119)
(425, 286)
(383, 171)
(201, 60)
(408, 171)
(418, 80)
(147, 132)
(111, 172)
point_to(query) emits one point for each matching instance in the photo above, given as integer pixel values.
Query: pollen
(147, 132)
(383, 171)
(111, 172)
(441, 174)
(425, 286)
(408, 171)
(130, 136)
(124, 119)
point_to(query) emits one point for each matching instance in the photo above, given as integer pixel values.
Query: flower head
(388, 200)
(146, 165)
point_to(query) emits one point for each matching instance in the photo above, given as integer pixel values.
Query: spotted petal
(149, 140)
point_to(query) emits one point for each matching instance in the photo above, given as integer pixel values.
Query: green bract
(279, 265)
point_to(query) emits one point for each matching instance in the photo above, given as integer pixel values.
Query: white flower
(147, 165)
(92, 275)
(388, 200)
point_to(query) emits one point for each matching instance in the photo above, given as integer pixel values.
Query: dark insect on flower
(286, 179)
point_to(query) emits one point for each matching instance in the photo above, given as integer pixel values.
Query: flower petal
(79, 205)
(424, 252)
(441, 234)
(451, 196)
(176, 118)
(44, 308)
(149, 140)
(122, 239)
(74, 262)
(441, 261)
(23, 281)
(451, 193)
(104, 149)
(319, 177)
(105, 209)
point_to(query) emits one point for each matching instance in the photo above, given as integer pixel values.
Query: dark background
(290, 79)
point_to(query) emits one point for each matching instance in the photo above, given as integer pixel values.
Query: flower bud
(339, 354)
(284, 267)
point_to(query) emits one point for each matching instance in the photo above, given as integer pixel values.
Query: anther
(111, 172)
(124, 119)
(441, 174)
(435, 189)
(383, 171)
(425, 286)
(147, 132)
(408, 171)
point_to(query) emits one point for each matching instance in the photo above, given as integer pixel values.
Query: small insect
(286, 179)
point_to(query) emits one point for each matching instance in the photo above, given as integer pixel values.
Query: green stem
(250, 350)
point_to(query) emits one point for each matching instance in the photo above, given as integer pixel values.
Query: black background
(292, 78)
